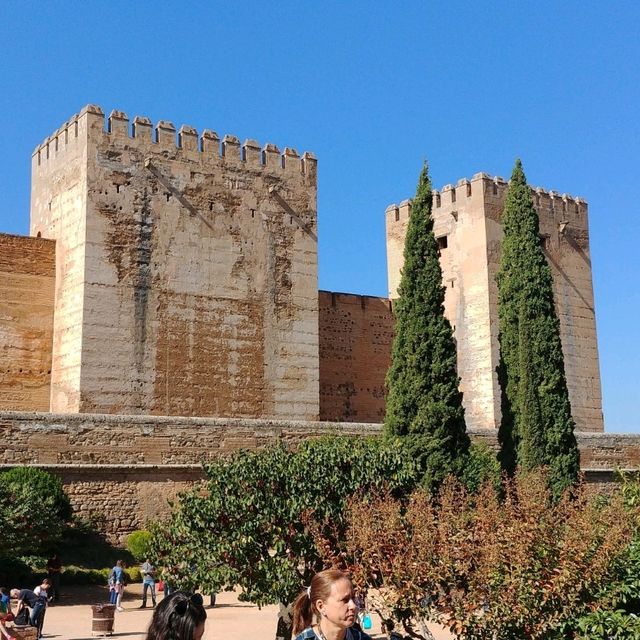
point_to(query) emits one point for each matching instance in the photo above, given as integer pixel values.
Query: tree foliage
(424, 403)
(33, 511)
(537, 428)
(243, 525)
(502, 564)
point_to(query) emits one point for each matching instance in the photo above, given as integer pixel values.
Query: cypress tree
(424, 402)
(537, 428)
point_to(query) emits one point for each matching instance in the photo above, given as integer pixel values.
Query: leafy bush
(14, 571)
(481, 466)
(497, 564)
(608, 625)
(73, 575)
(33, 511)
(243, 525)
(138, 544)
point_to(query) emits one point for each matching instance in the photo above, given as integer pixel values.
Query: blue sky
(372, 88)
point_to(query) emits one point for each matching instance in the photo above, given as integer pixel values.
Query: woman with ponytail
(326, 610)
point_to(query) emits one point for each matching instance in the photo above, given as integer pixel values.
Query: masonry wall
(468, 215)
(355, 334)
(194, 281)
(27, 275)
(120, 471)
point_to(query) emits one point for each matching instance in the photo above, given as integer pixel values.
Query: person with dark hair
(180, 616)
(54, 569)
(326, 610)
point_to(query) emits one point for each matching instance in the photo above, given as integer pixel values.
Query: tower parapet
(142, 134)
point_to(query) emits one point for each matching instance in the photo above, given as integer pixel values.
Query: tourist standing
(117, 583)
(327, 609)
(148, 582)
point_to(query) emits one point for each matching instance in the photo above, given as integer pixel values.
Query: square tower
(186, 270)
(469, 233)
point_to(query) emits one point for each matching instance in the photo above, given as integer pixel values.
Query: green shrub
(49, 486)
(608, 625)
(482, 465)
(33, 511)
(73, 575)
(138, 544)
(14, 571)
(133, 574)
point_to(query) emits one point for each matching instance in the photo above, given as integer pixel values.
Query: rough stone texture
(467, 218)
(27, 275)
(186, 279)
(121, 470)
(355, 333)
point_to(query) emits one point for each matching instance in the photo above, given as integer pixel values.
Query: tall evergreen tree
(424, 402)
(537, 427)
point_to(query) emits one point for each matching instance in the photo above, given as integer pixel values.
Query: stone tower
(186, 270)
(468, 229)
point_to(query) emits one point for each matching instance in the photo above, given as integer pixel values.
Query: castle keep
(165, 309)
(186, 276)
(174, 274)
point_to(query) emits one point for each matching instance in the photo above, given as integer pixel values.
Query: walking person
(180, 616)
(326, 610)
(54, 569)
(148, 583)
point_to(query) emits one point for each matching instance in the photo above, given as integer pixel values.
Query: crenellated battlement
(496, 186)
(164, 136)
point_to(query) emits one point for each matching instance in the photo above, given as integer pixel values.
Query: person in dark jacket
(36, 603)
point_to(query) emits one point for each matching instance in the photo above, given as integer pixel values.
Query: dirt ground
(71, 618)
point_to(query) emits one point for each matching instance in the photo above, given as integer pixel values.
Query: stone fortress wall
(120, 471)
(186, 271)
(467, 226)
(171, 274)
(27, 277)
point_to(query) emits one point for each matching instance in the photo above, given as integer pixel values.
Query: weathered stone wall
(121, 470)
(467, 223)
(355, 334)
(191, 267)
(27, 275)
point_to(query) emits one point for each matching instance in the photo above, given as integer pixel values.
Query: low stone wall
(121, 471)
